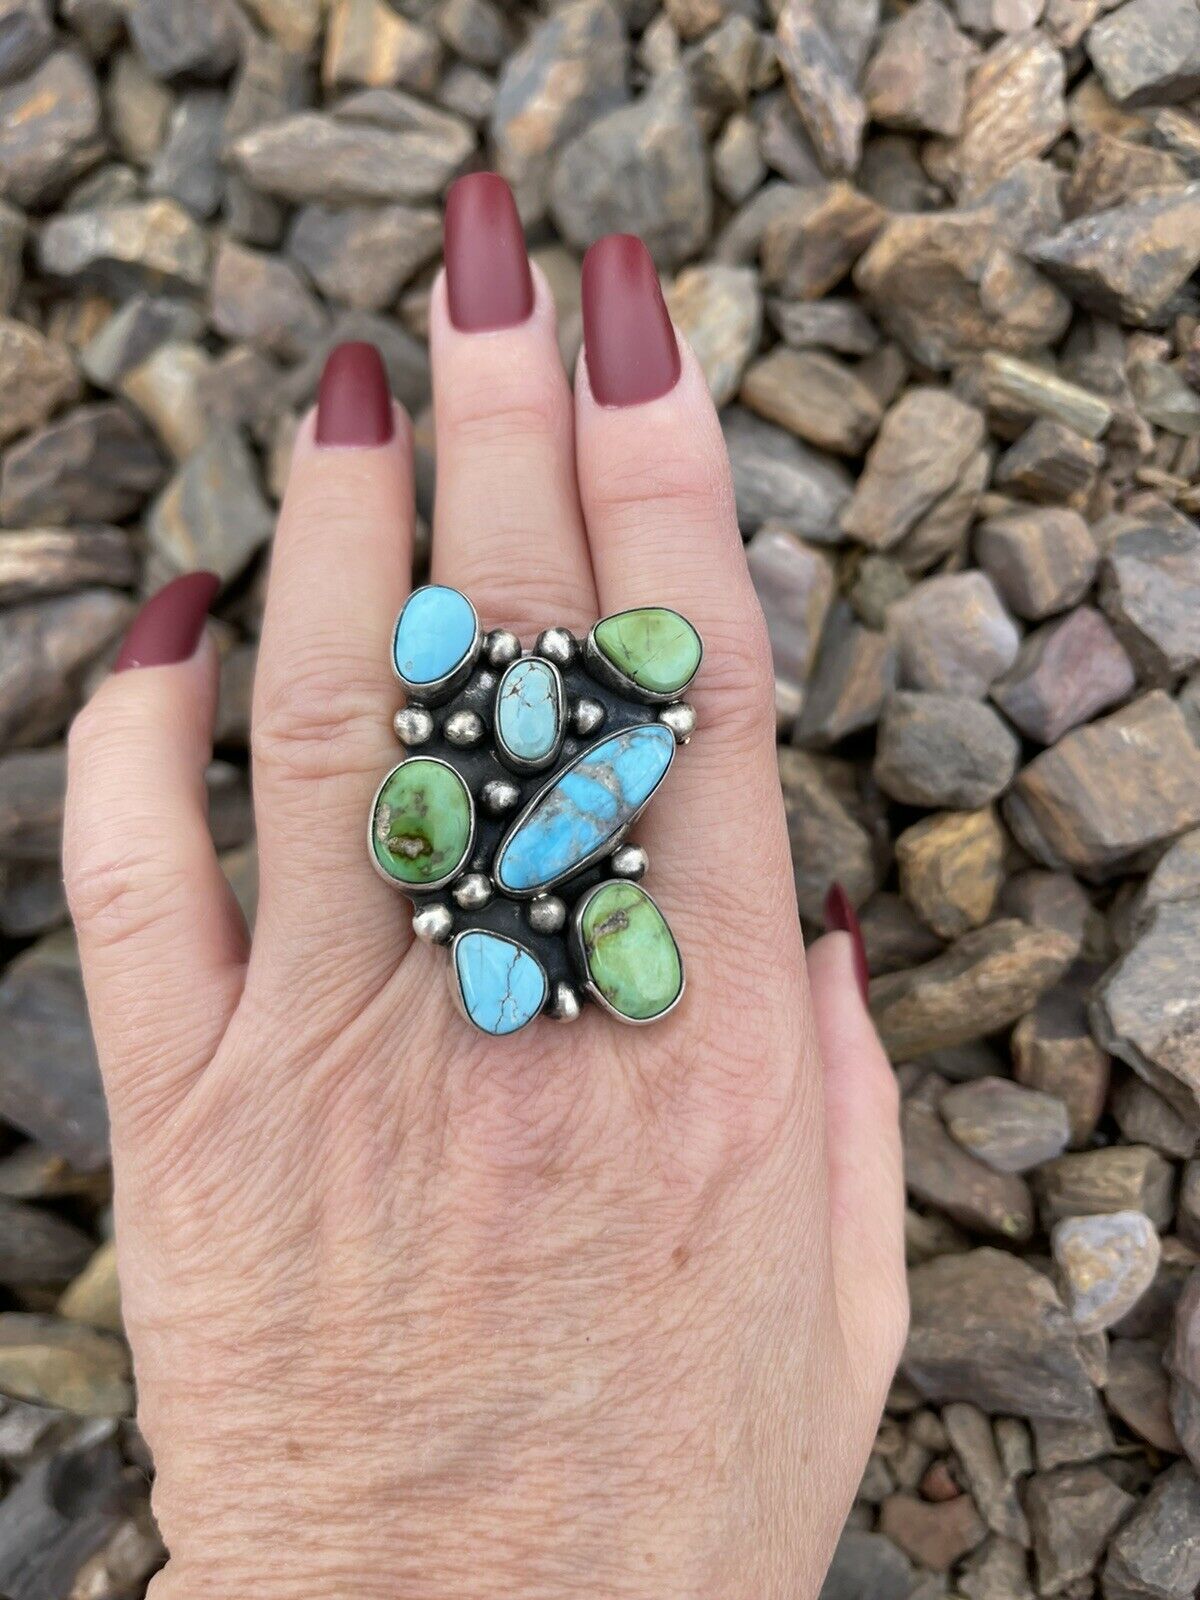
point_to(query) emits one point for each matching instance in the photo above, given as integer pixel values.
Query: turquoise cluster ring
(507, 822)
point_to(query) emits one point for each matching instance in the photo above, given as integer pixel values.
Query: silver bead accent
(473, 892)
(464, 728)
(502, 647)
(681, 719)
(498, 795)
(587, 716)
(433, 924)
(564, 1003)
(547, 914)
(413, 725)
(557, 645)
(629, 861)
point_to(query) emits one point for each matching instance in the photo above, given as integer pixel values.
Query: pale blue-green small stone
(502, 986)
(528, 710)
(434, 635)
(585, 808)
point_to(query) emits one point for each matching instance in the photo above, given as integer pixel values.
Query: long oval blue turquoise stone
(529, 710)
(502, 986)
(435, 634)
(585, 807)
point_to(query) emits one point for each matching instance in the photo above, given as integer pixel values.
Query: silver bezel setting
(440, 688)
(515, 762)
(604, 671)
(604, 849)
(579, 952)
(416, 890)
(456, 990)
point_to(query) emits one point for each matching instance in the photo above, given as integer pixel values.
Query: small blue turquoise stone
(529, 710)
(436, 633)
(502, 986)
(585, 807)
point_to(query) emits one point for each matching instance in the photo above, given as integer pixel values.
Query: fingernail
(629, 342)
(841, 917)
(488, 284)
(354, 402)
(168, 627)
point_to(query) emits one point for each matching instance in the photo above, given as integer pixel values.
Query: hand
(591, 1311)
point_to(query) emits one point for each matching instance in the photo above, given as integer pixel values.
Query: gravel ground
(937, 260)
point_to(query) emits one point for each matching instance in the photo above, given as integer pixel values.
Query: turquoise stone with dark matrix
(529, 711)
(584, 809)
(501, 985)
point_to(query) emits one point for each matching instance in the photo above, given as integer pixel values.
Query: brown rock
(26, 39)
(1128, 261)
(1156, 1555)
(177, 37)
(989, 1329)
(97, 464)
(1092, 1183)
(936, 1536)
(814, 396)
(854, 673)
(738, 165)
(168, 391)
(1042, 561)
(44, 648)
(1110, 171)
(1144, 1117)
(941, 750)
(1183, 1364)
(832, 324)
(795, 586)
(951, 866)
(259, 298)
(1050, 463)
(32, 786)
(894, 936)
(476, 30)
(39, 561)
(952, 635)
(369, 45)
(1054, 1051)
(941, 1173)
(152, 244)
(828, 842)
(94, 1297)
(1176, 877)
(37, 376)
(50, 130)
(982, 983)
(1138, 1392)
(1147, 1007)
(1150, 589)
(1015, 393)
(917, 79)
(1065, 672)
(923, 444)
(1110, 790)
(133, 333)
(815, 236)
(1007, 1127)
(778, 479)
(718, 309)
(1106, 1263)
(362, 256)
(822, 84)
(1015, 109)
(1148, 51)
(991, 1484)
(64, 1364)
(1072, 1515)
(212, 514)
(1048, 900)
(571, 70)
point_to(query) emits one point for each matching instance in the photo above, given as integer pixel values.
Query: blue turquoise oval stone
(585, 807)
(436, 632)
(502, 986)
(529, 710)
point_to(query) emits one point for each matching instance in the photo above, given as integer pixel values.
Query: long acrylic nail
(841, 917)
(632, 354)
(354, 402)
(168, 627)
(488, 282)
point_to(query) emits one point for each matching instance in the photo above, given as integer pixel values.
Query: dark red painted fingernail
(168, 627)
(630, 344)
(841, 917)
(354, 402)
(488, 283)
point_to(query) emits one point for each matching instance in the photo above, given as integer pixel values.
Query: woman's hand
(591, 1311)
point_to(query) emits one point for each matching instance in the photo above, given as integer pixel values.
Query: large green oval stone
(656, 649)
(630, 952)
(422, 825)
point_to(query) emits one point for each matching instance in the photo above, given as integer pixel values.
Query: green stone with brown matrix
(656, 649)
(421, 829)
(631, 954)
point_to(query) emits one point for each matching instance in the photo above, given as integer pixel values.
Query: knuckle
(119, 890)
(529, 407)
(693, 482)
(739, 677)
(321, 719)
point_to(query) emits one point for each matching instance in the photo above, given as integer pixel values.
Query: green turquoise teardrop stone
(656, 649)
(422, 824)
(630, 952)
